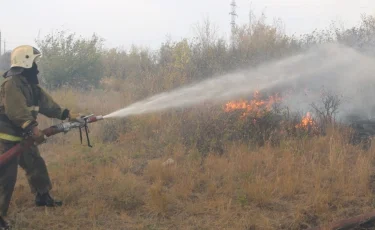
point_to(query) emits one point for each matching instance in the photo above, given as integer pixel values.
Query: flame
(306, 122)
(256, 106)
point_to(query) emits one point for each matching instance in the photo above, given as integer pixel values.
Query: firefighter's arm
(50, 108)
(15, 105)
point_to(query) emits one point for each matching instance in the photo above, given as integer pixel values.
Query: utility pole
(5, 45)
(233, 14)
(251, 14)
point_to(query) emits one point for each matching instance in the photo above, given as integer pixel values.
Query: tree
(4, 62)
(72, 61)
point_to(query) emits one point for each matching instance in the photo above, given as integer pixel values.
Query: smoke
(299, 79)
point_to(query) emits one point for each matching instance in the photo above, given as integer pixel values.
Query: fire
(256, 106)
(306, 122)
(259, 106)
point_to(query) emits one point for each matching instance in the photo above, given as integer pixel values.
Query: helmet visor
(36, 51)
(37, 59)
(38, 55)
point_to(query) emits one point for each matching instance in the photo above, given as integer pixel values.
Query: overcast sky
(149, 22)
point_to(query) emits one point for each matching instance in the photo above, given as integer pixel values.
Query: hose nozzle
(93, 119)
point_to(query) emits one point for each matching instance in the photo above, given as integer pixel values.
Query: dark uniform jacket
(20, 103)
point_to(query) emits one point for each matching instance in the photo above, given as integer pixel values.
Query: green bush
(72, 61)
(4, 62)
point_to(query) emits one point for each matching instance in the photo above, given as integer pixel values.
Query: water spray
(332, 67)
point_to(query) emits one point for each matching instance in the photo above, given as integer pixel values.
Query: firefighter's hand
(38, 136)
(75, 117)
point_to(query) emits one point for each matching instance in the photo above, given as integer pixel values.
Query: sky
(149, 23)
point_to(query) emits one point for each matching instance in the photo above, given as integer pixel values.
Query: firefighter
(21, 99)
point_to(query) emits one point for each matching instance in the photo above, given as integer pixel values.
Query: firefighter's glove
(76, 117)
(31, 131)
(38, 136)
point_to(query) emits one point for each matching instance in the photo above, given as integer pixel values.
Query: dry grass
(122, 184)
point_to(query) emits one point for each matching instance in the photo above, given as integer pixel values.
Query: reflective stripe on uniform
(33, 108)
(8, 137)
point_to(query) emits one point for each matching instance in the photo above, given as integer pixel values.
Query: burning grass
(122, 184)
(256, 107)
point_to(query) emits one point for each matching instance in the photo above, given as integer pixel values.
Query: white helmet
(24, 56)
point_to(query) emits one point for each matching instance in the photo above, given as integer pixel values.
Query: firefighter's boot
(3, 224)
(46, 200)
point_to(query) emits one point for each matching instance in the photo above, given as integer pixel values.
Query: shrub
(72, 61)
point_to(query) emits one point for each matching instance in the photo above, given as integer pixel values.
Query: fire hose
(53, 130)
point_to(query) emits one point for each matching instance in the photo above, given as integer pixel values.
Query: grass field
(122, 183)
